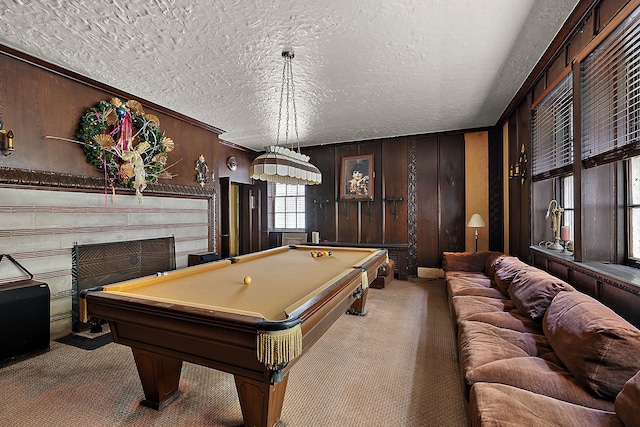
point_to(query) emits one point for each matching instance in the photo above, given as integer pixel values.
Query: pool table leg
(261, 402)
(160, 376)
(357, 308)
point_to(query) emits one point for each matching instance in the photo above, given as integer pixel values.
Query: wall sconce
(6, 140)
(519, 170)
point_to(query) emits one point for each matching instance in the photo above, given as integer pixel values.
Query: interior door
(225, 217)
(254, 234)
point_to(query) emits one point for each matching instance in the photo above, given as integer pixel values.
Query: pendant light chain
(287, 66)
(282, 164)
(284, 76)
(293, 103)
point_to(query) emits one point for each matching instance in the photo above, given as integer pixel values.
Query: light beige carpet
(394, 367)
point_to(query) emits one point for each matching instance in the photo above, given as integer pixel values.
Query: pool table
(206, 314)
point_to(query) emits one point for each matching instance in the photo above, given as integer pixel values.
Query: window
(552, 130)
(566, 197)
(633, 208)
(610, 82)
(286, 206)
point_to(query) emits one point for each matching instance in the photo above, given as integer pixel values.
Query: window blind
(552, 129)
(610, 82)
(286, 206)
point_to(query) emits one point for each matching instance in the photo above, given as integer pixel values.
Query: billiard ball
(247, 280)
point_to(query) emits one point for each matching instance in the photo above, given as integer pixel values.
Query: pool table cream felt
(282, 280)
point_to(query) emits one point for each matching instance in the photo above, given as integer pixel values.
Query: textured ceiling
(363, 69)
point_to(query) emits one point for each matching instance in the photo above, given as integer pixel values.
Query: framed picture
(356, 177)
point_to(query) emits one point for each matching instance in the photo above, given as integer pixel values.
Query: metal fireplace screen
(106, 263)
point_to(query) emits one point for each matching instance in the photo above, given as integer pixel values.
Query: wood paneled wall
(587, 20)
(39, 100)
(418, 201)
(477, 187)
(36, 102)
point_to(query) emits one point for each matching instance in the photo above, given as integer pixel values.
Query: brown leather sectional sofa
(534, 351)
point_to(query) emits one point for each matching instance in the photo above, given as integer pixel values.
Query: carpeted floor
(394, 367)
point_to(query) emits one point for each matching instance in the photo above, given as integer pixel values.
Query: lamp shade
(476, 221)
(284, 166)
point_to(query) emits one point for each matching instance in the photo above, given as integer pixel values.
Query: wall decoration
(356, 177)
(202, 171)
(519, 169)
(126, 143)
(232, 163)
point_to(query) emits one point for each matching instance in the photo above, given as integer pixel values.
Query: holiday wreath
(126, 143)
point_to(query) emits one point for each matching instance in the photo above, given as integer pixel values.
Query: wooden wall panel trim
(412, 207)
(69, 182)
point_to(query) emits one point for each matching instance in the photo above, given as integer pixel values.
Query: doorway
(242, 223)
(229, 218)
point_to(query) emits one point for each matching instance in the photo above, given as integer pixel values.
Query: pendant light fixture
(280, 163)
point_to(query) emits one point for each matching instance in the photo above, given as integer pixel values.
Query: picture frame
(357, 177)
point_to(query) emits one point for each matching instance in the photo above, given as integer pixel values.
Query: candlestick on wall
(6, 143)
(519, 169)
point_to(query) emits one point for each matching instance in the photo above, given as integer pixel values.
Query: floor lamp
(476, 222)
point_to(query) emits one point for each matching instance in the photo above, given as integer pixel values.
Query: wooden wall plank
(451, 183)
(428, 202)
(395, 185)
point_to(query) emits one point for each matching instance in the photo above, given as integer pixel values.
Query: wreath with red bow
(126, 143)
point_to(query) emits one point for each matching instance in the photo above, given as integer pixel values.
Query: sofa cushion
(501, 313)
(470, 283)
(493, 261)
(538, 376)
(457, 288)
(464, 261)
(627, 402)
(600, 348)
(506, 270)
(532, 290)
(482, 343)
(469, 278)
(503, 405)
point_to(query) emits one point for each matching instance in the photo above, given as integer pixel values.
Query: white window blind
(286, 206)
(552, 129)
(610, 84)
